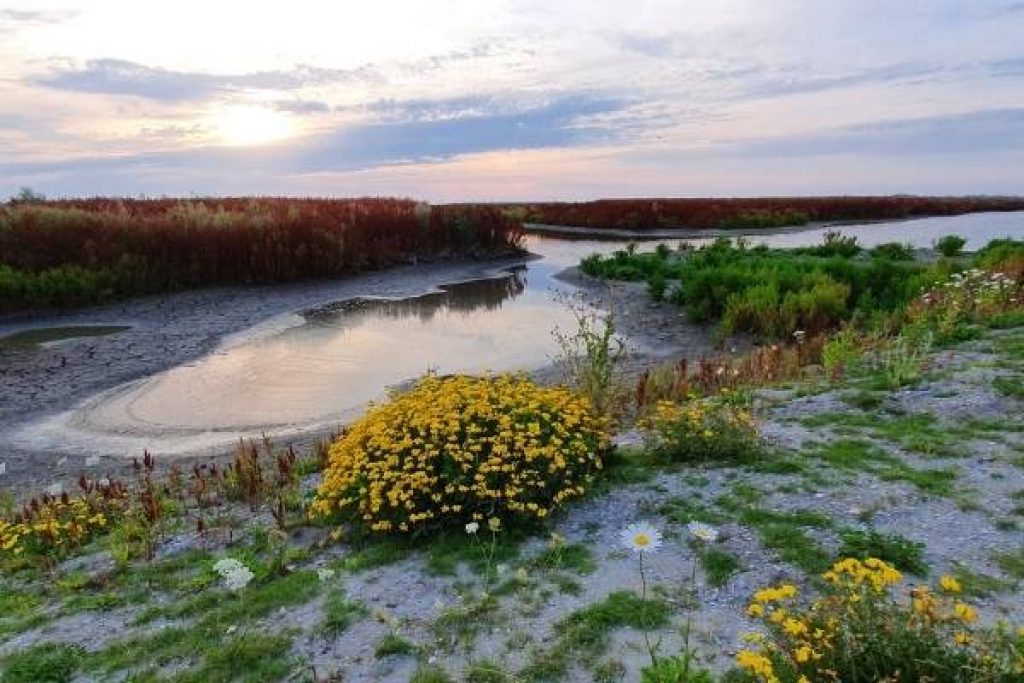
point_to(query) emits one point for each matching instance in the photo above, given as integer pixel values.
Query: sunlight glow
(244, 126)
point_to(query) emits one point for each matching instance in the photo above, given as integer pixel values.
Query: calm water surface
(324, 370)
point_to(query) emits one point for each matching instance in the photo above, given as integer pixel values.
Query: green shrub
(774, 292)
(835, 244)
(950, 245)
(893, 251)
(656, 286)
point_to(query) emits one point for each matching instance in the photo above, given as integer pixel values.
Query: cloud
(649, 45)
(122, 77)
(368, 145)
(304, 107)
(977, 132)
(13, 19)
(798, 83)
(1007, 67)
(550, 125)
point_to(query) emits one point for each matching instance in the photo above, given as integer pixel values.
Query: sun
(244, 126)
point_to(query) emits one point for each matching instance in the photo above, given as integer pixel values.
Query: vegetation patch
(898, 551)
(584, 634)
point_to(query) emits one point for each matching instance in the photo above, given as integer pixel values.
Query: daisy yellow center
(642, 540)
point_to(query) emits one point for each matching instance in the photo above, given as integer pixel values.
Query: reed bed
(764, 212)
(84, 251)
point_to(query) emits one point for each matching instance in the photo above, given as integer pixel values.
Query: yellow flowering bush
(459, 449)
(51, 527)
(860, 632)
(701, 429)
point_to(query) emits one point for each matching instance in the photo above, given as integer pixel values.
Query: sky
(505, 100)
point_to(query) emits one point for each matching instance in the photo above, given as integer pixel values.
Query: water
(324, 370)
(47, 335)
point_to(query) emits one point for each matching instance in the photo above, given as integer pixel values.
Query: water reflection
(463, 297)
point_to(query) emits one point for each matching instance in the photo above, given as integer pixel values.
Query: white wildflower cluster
(325, 574)
(973, 288)
(235, 574)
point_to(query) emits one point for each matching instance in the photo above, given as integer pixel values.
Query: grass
(252, 657)
(1009, 386)
(584, 634)
(447, 551)
(860, 455)
(898, 551)
(199, 641)
(979, 585)
(340, 612)
(393, 645)
(44, 663)
(487, 671)
(686, 510)
(1012, 563)
(430, 673)
(374, 554)
(916, 432)
(574, 557)
(718, 565)
(780, 531)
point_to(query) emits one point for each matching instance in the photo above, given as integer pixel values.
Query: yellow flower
(950, 584)
(803, 654)
(755, 610)
(794, 628)
(965, 612)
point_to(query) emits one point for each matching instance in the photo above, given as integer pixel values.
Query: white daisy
(703, 532)
(641, 536)
(472, 528)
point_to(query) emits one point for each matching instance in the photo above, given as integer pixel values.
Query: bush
(893, 251)
(459, 449)
(1004, 256)
(836, 244)
(858, 632)
(950, 245)
(774, 292)
(701, 430)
